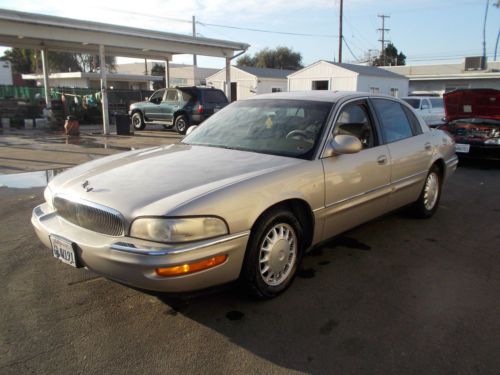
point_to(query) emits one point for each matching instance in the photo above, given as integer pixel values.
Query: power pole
(383, 41)
(483, 63)
(341, 37)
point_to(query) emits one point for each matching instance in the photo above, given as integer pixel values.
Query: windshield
(278, 127)
(415, 103)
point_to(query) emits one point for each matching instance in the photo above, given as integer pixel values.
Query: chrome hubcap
(431, 191)
(278, 253)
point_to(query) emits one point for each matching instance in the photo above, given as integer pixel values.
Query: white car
(430, 108)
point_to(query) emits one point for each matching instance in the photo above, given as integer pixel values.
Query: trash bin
(122, 124)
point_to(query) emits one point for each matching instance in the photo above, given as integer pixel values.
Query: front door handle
(382, 159)
(428, 146)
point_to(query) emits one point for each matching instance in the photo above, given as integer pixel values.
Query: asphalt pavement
(397, 295)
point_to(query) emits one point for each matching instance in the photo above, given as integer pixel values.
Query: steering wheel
(300, 135)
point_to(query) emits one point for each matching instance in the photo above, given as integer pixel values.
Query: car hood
(135, 182)
(472, 103)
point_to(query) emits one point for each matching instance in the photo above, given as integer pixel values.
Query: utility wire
(349, 48)
(266, 31)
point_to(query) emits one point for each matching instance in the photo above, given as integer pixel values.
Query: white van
(430, 108)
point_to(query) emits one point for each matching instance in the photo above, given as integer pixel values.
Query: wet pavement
(394, 296)
(35, 150)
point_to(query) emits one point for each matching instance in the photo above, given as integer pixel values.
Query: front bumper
(133, 262)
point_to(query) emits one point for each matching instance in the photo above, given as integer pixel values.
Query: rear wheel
(138, 121)
(428, 202)
(273, 254)
(181, 124)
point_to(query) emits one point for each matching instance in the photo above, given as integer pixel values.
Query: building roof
(367, 70)
(266, 72)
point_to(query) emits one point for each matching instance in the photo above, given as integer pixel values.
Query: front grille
(90, 217)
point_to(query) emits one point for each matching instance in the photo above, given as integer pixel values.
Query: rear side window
(171, 96)
(437, 103)
(394, 122)
(189, 95)
(214, 96)
(415, 125)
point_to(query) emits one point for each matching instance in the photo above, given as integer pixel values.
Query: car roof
(318, 95)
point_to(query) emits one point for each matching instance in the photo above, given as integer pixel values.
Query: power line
(266, 31)
(349, 48)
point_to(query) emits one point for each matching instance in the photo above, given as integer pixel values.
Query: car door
(152, 110)
(170, 105)
(356, 185)
(409, 148)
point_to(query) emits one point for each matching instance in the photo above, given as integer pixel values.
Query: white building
(328, 75)
(436, 79)
(247, 81)
(5, 73)
(180, 74)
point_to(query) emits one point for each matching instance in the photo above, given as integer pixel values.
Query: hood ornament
(86, 186)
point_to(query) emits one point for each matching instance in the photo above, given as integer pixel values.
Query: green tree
(26, 61)
(245, 60)
(392, 57)
(278, 58)
(158, 70)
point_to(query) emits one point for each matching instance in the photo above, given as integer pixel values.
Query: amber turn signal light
(185, 269)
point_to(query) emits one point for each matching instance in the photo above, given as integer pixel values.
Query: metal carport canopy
(38, 31)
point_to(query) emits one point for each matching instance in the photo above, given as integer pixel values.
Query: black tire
(138, 121)
(181, 124)
(251, 275)
(423, 207)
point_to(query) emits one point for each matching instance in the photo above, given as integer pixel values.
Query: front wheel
(428, 201)
(273, 254)
(181, 124)
(138, 121)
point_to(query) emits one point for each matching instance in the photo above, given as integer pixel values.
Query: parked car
(247, 193)
(473, 119)
(430, 108)
(178, 107)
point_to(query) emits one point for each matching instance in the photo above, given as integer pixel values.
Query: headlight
(492, 141)
(49, 197)
(178, 229)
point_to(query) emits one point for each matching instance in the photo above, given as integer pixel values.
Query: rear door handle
(382, 159)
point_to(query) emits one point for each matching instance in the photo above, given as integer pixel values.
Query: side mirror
(343, 144)
(191, 129)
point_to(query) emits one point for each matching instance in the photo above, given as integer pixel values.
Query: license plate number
(461, 147)
(63, 250)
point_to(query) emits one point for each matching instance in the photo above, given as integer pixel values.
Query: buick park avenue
(246, 193)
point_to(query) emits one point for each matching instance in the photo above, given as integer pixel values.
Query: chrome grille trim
(89, 215)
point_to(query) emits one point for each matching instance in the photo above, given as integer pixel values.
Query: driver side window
(157, 97)
(354, 119)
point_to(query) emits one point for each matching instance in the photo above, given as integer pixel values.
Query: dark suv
(178, 107)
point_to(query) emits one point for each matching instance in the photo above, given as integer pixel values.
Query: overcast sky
(427, 31)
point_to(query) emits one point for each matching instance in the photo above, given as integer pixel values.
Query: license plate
(461, 147)
(63, 250)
